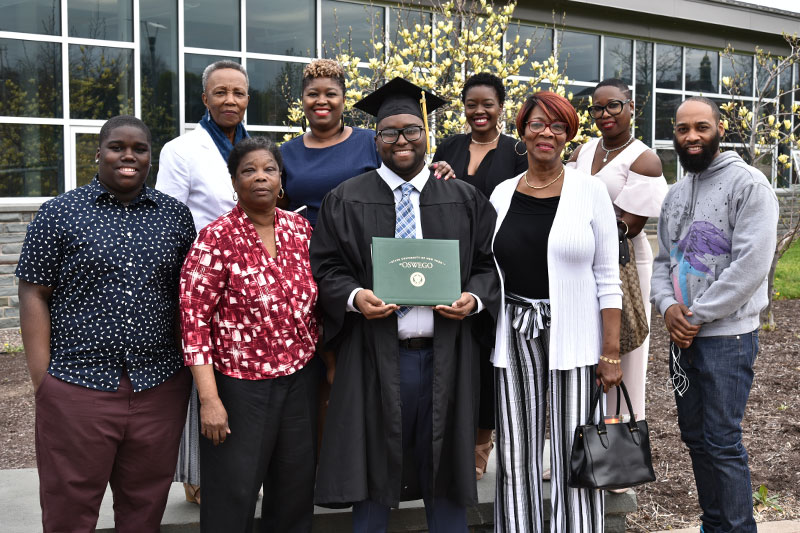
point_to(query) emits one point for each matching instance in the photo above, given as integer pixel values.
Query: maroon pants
(86, 439)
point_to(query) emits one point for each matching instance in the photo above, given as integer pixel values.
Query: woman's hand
(214, 421)
(442, 170)
(609, 374)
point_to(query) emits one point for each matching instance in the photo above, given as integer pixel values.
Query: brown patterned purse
(633, 328)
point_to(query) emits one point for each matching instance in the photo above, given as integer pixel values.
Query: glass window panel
(669, 164)
(400, 19)
(100, 82)
(279, 27)
(581, 95)
(666, 105)
(541, 47)
(350, 28)
(580, 55)
(668, 66)
(702, 70)
(739, 68)
(85, 149)
(212, 24)
(617, 59)
(194, 65)
(274, 85)
(31, 160)
(31, 16)
(110, 19)
(31, 74)
(644, 92)
(768, 90)
(159, 64)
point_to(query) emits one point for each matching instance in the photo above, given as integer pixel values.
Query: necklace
(484, 143)
(543, 186)
(609, 150)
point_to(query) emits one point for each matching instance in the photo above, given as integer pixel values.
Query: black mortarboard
(397, 97)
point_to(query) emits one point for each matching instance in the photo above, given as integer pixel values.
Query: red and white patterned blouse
(250, 315)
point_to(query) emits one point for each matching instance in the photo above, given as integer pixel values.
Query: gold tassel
(425, 121)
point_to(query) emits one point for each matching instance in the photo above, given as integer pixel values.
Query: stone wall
(13, 224)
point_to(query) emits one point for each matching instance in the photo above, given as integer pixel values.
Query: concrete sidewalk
(784, 526)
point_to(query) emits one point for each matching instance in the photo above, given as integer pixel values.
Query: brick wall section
(13, 224)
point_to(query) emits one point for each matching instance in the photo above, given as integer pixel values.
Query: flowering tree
(462, 38)
(767, 128)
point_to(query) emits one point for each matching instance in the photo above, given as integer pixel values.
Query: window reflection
(212, 24)
(280, 27)
(194, 65)
(580, 55)
(31, 16)
(274, 85)
(669, 164)
(668, 66)
(617, 59)
(32, 162)
(100, 82)
(739, 68)
(702, 70)
(351, 28)
(541, 47)
(109, 20)
(666, 105)
(31, 74)
(85, 147)
(644, 92)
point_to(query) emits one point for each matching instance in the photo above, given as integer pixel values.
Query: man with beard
(716, 237)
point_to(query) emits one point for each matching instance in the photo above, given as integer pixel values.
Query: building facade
(67, 65)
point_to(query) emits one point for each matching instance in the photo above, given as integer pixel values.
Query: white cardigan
(582, 266)
(191, 169)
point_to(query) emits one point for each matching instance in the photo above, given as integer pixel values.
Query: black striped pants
(522, 395)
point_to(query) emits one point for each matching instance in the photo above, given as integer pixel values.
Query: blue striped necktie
(405, 226)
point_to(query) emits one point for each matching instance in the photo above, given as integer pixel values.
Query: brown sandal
(192, 493)
(482, 452)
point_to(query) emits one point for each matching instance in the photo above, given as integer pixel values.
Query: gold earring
(235, 197)
(516, 151)
(281, 193)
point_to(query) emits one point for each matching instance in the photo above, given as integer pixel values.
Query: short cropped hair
(487, 79)
(219, 65)
(323, 68)
(555, 106)
(710, 103)
(618, 83)
(251, 144)
(123, 120)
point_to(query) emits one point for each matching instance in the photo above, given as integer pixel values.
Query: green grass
(787, 275)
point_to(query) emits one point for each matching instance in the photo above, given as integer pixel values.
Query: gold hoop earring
(516, 151)
(281, 193)
(235, 197)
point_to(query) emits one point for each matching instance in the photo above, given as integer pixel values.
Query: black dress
(497, 166)
(361, 454)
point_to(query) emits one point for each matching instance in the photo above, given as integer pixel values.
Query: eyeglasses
(537, 126)
(391, 135)
(613, 107)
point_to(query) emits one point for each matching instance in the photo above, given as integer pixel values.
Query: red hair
(556, 107)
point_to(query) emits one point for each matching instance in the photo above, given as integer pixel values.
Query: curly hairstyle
(323, 68)
(251, 144)
(555, 106)
(487, 79)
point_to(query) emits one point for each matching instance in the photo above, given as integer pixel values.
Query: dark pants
(416, 392)
(272, 442)
(86, 439)
(710, 412)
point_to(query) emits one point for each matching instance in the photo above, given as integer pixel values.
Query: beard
(697, 162)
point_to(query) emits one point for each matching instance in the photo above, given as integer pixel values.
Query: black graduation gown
(498, 165)
(361, 454)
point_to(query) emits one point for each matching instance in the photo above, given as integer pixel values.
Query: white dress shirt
(418, 322)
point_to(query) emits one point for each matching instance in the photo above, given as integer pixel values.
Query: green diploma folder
(416, 271)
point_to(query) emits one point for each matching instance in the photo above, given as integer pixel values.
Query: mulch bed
(771, 426)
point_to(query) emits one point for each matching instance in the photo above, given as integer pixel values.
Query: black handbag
(611, 456)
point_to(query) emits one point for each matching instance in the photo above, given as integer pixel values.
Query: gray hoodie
(716, 240)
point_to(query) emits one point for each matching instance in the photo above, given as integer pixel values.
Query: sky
(787, 5)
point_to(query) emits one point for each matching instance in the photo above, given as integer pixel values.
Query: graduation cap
(400, 97)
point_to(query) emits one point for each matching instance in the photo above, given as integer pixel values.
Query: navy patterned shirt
(115, 271)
